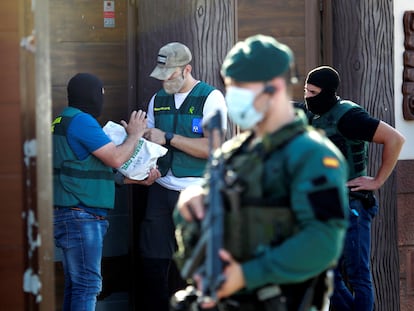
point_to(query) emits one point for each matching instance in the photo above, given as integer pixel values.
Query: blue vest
(88, 182)
(185, 121)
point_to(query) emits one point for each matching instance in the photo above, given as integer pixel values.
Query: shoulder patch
(330, 162)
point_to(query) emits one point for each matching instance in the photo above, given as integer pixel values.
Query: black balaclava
(85, 92)
(327, 79)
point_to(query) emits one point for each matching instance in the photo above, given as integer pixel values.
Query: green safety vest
(88, 182)
(355, 151)
(185, 121)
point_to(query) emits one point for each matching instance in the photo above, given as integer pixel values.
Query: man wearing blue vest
(351, 128)
(84, 188)
(175, 116)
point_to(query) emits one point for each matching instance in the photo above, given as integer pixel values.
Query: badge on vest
(197, 126)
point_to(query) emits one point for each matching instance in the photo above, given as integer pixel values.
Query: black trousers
(160, 280)
(155, 291)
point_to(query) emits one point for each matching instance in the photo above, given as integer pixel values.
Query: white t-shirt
(215, 101)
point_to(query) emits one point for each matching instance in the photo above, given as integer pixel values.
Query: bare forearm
(114, 156)
(390, 155)
(125, 150)
(392, 142)
(196, 147)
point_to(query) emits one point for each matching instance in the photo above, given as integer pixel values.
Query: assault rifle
(204, 259)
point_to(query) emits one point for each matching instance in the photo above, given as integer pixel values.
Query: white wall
(405, 127)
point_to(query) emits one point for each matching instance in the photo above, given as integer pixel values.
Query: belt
(74, 208)
(366, 197)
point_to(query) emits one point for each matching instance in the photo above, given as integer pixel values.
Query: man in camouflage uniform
(289, 225)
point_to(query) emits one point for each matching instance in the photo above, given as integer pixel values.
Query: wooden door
(208, 28)
(123, 55)
(297, 23)
(94, 37)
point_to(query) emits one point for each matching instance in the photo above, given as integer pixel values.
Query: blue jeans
(354, 266)
(80, 236)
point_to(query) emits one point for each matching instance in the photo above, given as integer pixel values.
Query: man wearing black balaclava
(326, 80)
(351, 129)
(85, 92)
(84, 188)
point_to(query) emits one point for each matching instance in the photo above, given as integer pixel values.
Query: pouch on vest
(250, 230)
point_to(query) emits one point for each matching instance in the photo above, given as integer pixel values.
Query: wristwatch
(168, 136)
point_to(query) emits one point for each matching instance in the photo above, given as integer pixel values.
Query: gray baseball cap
(171, 56)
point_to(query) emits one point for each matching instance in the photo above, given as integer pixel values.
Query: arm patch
(326, 204)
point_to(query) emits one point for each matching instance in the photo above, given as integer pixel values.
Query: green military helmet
(258, 58)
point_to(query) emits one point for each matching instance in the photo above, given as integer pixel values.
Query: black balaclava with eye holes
(328, 80)
(85, 92)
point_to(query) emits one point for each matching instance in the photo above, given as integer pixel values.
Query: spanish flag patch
(330, 162)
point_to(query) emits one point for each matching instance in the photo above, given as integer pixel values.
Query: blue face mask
(240, 104)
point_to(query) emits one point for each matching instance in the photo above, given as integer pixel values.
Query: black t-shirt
(355, 124)
(358, 124)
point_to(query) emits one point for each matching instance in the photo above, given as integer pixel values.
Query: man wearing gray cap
(287, 225)
(175, 116)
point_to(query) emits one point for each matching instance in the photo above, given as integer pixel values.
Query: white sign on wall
(109, 14)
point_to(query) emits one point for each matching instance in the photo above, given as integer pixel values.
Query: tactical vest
(355, 151)
(185, 121)
(257, 192)
(89, 182)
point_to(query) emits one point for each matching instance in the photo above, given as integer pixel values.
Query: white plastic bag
(144, 157)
